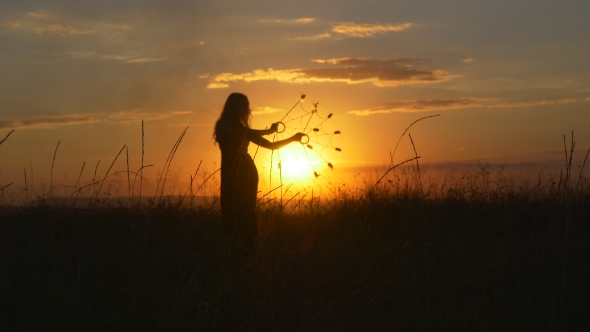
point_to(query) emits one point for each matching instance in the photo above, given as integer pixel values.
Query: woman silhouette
(239, 177)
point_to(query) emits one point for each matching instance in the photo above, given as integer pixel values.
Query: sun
(295, 167)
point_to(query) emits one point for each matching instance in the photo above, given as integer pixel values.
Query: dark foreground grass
(394, 260)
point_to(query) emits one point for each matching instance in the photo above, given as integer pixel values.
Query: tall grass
(474, 249)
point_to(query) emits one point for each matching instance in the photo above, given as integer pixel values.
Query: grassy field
(470, 250)
(486, 253)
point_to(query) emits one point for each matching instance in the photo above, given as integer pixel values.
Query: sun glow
(295, 166)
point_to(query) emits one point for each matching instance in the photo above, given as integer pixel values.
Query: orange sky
(508, 80)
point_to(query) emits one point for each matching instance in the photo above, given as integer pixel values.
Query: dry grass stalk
(26, 184)
(6, 137)
(405, 131)
(417, 162)
(52, 163)
(268, 193)
(6, 186)
(298, 203)
(32, 179)
(162, 178)
(128, 178)
(190, 186)
(290, 199)
(141, 169)
(107, 173)
(391, 169)
(204, 181)
(94, 178)
(79, 176)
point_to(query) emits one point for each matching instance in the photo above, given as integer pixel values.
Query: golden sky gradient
(508, 78)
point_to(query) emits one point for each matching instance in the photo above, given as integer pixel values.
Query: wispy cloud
(266, 110)
(144, 60)
(382, 73)
(537, 103)
(41, 15)
(46, 23)
(123, 58)
(369, 112)
(135, 116)
(48, 29)
(365, 30)
(61, 30)
(424, 105)
(217, 85)
(303, 20)
(467, 60)
(405, 106)
(356, 30)
(49, 24)
(319, 36)
(55, 121)
(48, 122)
(117, 57)
(81, 54)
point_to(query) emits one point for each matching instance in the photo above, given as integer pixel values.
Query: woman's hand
(297, 137)
(274, 127)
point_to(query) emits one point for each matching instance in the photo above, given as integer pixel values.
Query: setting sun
(294, 166)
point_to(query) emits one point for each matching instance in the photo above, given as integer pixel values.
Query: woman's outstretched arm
(263, 142)
(273, 129)
(224, 126)
(255, 136)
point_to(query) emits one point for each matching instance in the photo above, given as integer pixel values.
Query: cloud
(568, 100)
(525, 103)
(537, 103)
(135, 116)
(48, 122)
(81, 54)
(467, 60)
(122, 58)
(304, 20)
(45, 23)
(382, 73)
(265, 110)
(54, 121)
(131, 58)
(351, 29)
(47, 29)
(319, 36)
(406, 106)
(369, 112)
(355, 30)
(41, 15)
(116, 57)
(144, 60)
(61, 30)
(217, 85)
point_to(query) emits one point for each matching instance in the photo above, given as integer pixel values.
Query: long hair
(235, 111)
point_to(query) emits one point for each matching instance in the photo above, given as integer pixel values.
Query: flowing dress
(239, 184)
